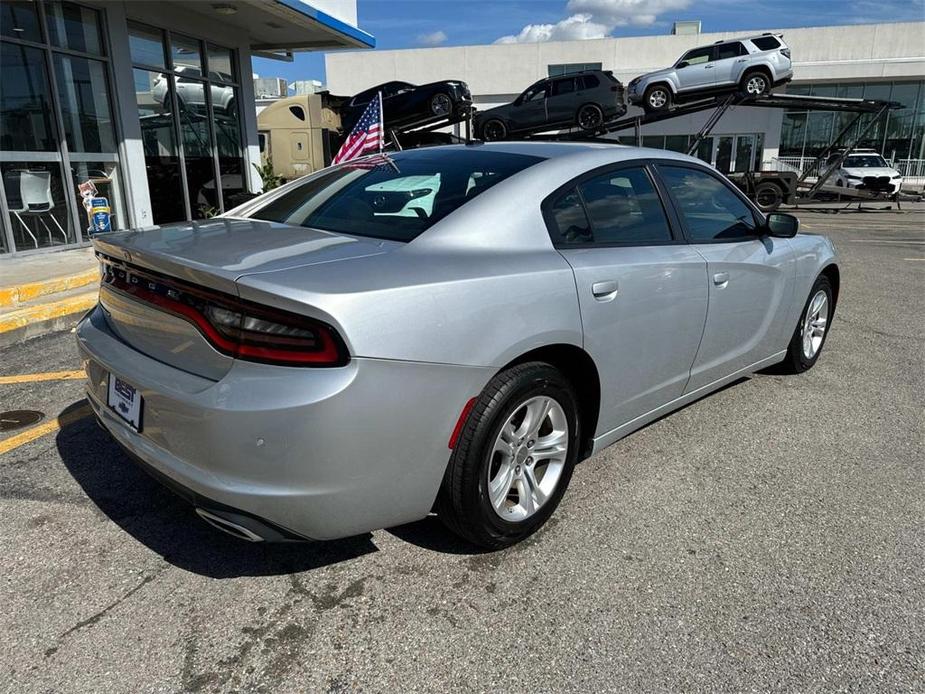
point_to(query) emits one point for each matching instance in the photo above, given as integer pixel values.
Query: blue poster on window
(99, 216)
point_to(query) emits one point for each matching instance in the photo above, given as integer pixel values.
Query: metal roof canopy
(276, 28)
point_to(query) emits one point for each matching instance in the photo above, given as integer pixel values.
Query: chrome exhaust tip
(225, 525)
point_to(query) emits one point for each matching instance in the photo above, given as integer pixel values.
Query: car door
(750, 275)
(530, 110)
(728, 63)
(642, 290)
(695, 69)
(561, 104)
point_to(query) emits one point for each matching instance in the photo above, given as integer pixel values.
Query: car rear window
(766, 43)
(395, 197)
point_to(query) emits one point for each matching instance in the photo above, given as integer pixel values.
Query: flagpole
(381, 124)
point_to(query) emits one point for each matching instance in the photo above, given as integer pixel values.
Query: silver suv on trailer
(752, 65)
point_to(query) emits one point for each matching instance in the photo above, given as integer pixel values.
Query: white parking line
(918, 243)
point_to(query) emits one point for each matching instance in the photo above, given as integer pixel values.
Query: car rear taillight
(238, 328)
(785, 52)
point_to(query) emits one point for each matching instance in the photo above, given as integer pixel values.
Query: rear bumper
(316, 453)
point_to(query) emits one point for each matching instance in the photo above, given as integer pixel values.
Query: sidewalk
(42, 293)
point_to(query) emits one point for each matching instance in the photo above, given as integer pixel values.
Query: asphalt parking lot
(768, 537)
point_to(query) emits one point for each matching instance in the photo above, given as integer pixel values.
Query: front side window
(698, 56)
(537, 91)
(397, 199)
(624, 208)
(564, 86)
(710, 209)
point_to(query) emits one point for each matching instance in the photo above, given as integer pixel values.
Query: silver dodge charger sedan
(440, 330)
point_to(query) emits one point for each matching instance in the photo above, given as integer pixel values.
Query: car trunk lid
(204, 257)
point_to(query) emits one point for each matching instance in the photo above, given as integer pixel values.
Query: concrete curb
(20, 325)
(22, 293)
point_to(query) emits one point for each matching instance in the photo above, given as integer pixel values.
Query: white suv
(752, 65)
(865, 169)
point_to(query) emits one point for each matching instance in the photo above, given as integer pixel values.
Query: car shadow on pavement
(169, 526)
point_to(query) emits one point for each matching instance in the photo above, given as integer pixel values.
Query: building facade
(880, 61)
(144, 106)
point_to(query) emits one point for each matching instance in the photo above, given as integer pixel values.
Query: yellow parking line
(38, 431)
(47, 376)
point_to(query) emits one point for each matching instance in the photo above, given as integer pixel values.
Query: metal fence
(909, 168)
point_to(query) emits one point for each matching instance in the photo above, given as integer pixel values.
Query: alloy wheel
(814, 324)
(528, 458)
(590, 117)
(494, 130)
(441, 105)
(756, 85)
(658, 98)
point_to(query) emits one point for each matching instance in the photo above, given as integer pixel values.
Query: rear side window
(394, 197)
(710, 209)
(624, 208)
(619, 207)
(588, 82)
(730, 50)
(569, 223)
(766, 43)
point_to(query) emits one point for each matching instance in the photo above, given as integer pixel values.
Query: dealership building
(874, 61)
(146, 108)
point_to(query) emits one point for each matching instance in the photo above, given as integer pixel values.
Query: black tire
(590, 117)
(660, 105)
(762, 83)
(493, 130)
(463, 503)
(796, 360)
(768, 196)
(441, 105)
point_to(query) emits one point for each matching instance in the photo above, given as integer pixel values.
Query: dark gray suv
(585, 99)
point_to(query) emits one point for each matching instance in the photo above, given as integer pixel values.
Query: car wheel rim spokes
(588, 118)
(528, 458)
(657, 99)
(494, 131)
(755, 85)
(815, 323)
(440, 105)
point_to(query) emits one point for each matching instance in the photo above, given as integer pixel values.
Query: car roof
(593, 150)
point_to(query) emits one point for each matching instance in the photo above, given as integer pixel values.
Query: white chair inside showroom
(35, 199)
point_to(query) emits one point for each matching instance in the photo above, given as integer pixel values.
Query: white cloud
(434, 38)
(595, 19)
(623, 12)
(576, 27)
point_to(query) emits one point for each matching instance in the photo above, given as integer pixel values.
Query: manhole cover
(16, 419)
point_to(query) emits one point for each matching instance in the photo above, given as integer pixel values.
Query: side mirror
(683, 63)
(782, 225)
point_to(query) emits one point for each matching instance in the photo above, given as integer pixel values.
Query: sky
(423, 23)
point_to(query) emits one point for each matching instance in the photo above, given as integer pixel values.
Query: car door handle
(604, 291)
(741, 60)
(708, 67)
(721, 279)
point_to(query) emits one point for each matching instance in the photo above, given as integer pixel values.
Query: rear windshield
(766, 43)
(396, 196)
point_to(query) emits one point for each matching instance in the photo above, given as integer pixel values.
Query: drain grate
(16, 419)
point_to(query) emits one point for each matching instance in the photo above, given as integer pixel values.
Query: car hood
(219, 251)
(664, 72)
(863, 171)
(502, 111)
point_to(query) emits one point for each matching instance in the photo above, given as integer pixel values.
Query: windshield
(864, 161)
(395, 197)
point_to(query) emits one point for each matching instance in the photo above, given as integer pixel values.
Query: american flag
(366, 135)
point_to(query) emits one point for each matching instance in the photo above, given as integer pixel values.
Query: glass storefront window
(25, 101)
(35, 196)
(186, 55)
(20, 20)
(162, 160)
(228, 141)
(221, 64)
(196, 133)
(146, 46)
(74, 27)
(84, 95)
